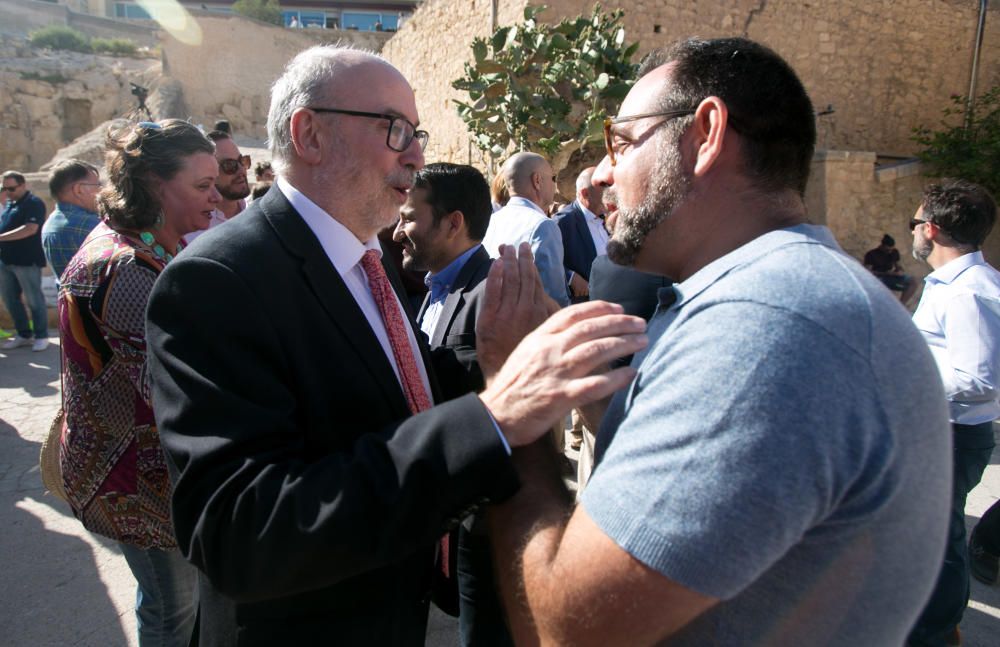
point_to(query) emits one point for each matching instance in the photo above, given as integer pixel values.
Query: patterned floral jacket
(113, 468)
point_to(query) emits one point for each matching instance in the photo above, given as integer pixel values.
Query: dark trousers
(973, 447)
(987, 531)
(481, 620)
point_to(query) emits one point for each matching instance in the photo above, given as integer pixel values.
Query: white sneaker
(39, 345)
(15, 342)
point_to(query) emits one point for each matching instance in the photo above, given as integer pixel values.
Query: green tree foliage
(114, 46)
(971, 153)
(60, 37)
(546, 88)
(262, 10)
(67, 38)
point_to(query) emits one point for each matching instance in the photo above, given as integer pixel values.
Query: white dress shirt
(597, 230)
(345, 251)
(959, 316)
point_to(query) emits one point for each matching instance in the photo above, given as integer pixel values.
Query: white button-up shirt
(597, 230)
(345, 251)
(959, 316)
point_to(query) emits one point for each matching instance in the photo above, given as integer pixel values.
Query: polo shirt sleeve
(34, 211)
(720, 464)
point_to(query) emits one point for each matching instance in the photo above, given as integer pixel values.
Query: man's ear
(306, 136)
(711, 121)
(455, 222)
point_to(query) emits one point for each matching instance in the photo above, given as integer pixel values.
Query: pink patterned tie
(413, 386)
(395, 327)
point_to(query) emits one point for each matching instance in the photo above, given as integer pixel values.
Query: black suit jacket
(578, 243)
(304, 491)
(634, 290)
(455, 331)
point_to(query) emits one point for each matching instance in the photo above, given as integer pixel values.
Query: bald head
(587, 194)
(529, 175)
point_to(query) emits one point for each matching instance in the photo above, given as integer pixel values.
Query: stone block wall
(228, 75)
(885, 66)
(430, 51)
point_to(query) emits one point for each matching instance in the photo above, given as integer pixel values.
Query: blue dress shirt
(439, 285)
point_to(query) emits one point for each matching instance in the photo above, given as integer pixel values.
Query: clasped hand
(559, 364)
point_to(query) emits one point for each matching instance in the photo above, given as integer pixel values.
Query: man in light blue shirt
(753, 481)
(959, 317)
(532, 186)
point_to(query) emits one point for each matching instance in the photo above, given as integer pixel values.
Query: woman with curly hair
(161, 187)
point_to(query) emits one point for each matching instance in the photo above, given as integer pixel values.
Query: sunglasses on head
(231, 166)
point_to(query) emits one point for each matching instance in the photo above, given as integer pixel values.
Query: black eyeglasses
(401, 132)
(914, 223)
(10, 189)
(609, 122)
(231, 166)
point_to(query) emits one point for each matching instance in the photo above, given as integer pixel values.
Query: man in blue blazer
(441, 228)
(583, 234)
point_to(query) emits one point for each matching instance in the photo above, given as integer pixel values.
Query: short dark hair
(261, 167)
(13, 175)
(259, 190)
(138, 154)
(888, 240)
(66, 173)
(768, 105)
(222, 125)
(963, 210)
(218, 135)
(457, 187)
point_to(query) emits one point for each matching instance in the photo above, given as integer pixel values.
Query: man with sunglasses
(21, 261)
(232, 182)
(317, 464)
(776, 472)
(959, 316)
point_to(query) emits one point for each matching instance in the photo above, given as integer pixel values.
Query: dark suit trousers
(973, 447)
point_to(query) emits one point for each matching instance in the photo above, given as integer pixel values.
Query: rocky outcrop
(52, 98)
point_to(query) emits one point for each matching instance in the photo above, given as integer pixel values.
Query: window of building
(364, 21)
(129, 10)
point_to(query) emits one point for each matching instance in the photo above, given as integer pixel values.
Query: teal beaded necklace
(157, 248)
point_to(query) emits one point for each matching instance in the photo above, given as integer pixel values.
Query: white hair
(584, 179)
(306, 82)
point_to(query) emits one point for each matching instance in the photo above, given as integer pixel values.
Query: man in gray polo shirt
(777, 473)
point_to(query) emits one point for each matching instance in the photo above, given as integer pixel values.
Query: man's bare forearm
(525, 532)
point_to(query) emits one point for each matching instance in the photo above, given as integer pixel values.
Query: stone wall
(51, 98)
(20, 17)
(229, 74)
(885, 66)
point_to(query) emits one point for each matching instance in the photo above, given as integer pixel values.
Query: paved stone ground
(61, 585)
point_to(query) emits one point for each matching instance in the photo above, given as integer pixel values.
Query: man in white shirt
(532, 186)
(959, 316)
(583, 234)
